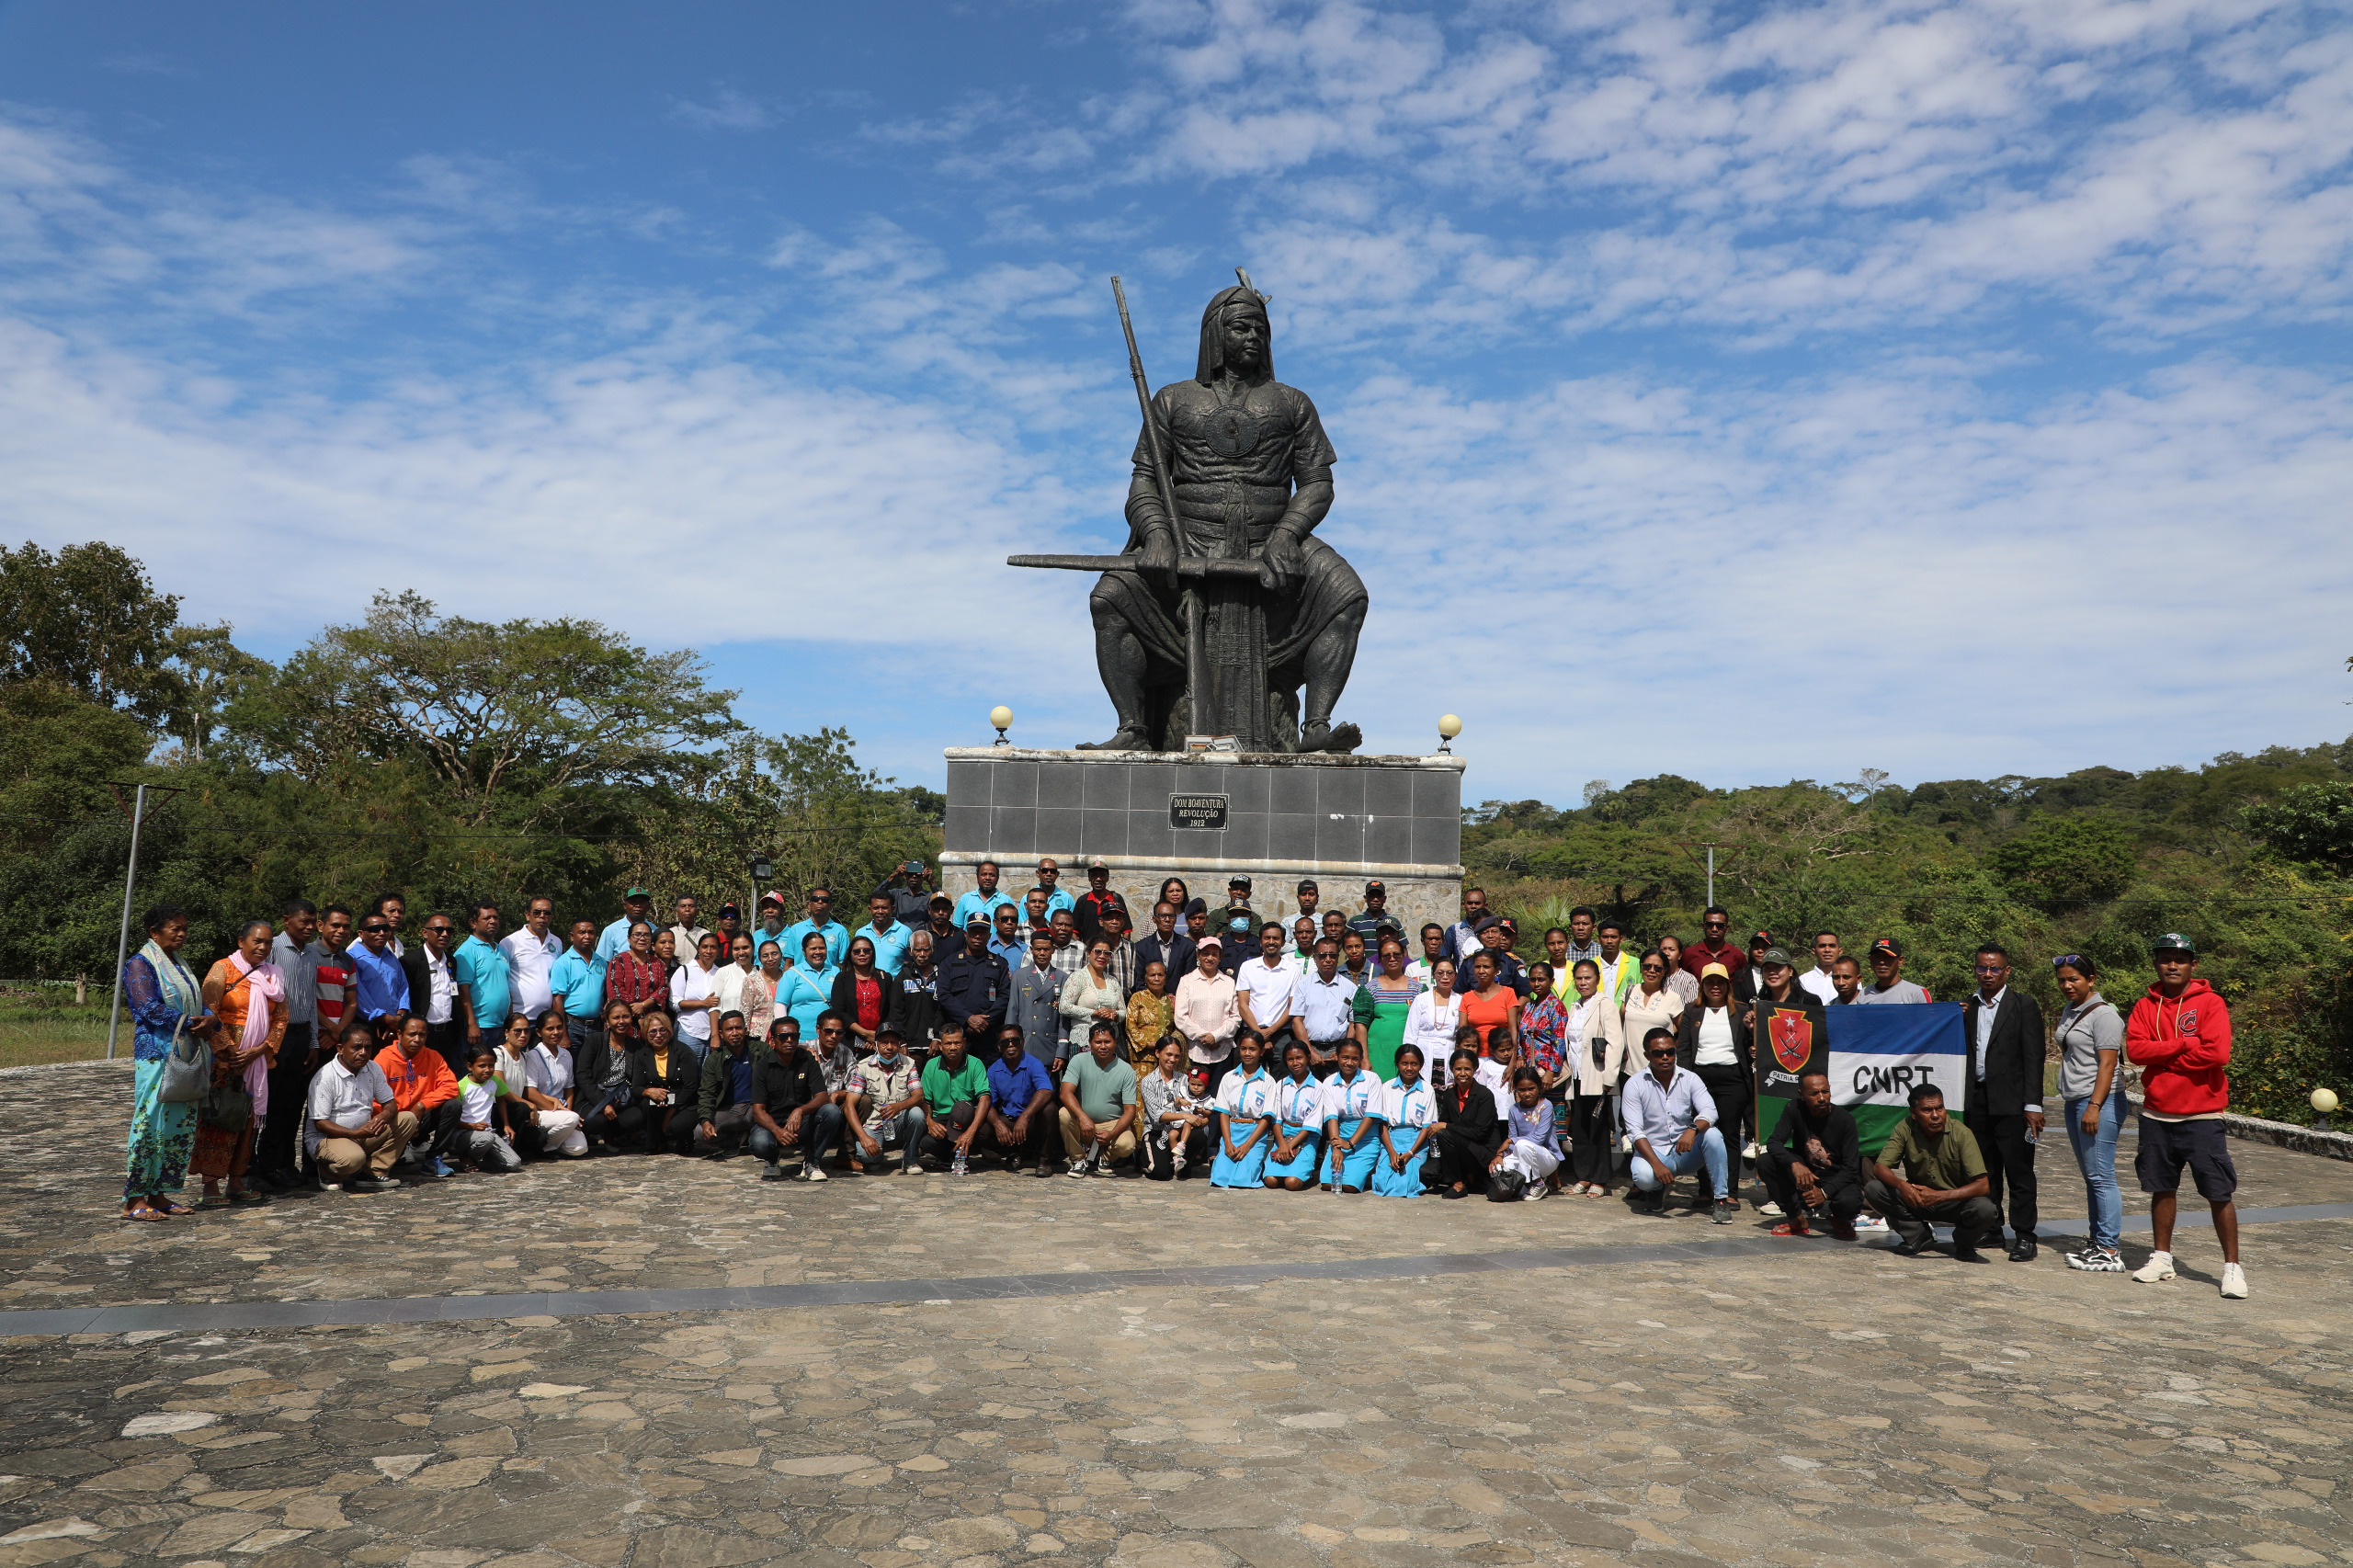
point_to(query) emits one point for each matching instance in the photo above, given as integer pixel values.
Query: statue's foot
(1126, 740)
(1335, 738)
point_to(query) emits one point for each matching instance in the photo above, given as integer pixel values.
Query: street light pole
(129, 880)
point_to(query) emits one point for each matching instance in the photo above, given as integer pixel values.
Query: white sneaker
(2159, 1267)
(1870, 1223)
(2233, 1282)
(1537, 1191)
(1770, 1209)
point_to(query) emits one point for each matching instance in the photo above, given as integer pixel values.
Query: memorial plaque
(1198, 812)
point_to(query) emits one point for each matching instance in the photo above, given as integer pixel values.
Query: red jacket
(2181, 1044)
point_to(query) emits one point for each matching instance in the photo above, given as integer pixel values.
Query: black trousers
(670, 1129)
(1042, 1143)
(1728, 1087)
(437, 1128)
(1458, 1159)
(1973, 1220)
(934, 1148)
(624, 1129)
(1592, 1124)
(1841, 1190)
(449, 1040)
(2009, 1164)
(1159, 1165)
(290, 1097)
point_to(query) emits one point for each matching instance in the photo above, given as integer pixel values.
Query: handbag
(1506, 1185)
(186, 1077)
(225, 1108)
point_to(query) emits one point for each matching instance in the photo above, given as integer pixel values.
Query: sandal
(143, 1216)
(171, 1210)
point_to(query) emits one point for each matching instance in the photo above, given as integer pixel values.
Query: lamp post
(129, 880)
(1002, 718)
(1448, 726)
(761, 871)
(2324, 1102)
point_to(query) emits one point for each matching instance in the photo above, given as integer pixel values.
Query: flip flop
(144, 1216)
(173, 1211)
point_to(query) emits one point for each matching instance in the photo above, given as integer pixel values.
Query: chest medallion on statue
(1232, 432)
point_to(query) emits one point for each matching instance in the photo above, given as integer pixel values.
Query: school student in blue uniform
(1297, 1107)
(1408, 1122)
(1353, 1099)
(1245, 1133)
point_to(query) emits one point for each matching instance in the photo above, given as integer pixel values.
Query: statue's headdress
(1213, 361)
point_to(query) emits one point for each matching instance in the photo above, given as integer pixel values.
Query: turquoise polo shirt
(890, 947)
(982, 903)
(837, 936)
(480, 966)
(580, 982)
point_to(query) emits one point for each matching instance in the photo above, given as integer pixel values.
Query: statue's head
(1236, 336)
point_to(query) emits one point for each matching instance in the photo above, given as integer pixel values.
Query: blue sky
(1751, 391)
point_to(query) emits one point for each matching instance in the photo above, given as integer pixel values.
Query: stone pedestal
(1274, 817)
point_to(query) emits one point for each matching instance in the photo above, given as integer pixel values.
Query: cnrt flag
(1874, 1056)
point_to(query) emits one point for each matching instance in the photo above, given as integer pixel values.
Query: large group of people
(1330, 1050)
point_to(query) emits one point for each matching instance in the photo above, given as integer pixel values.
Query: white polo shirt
(344, 1097)
(1272, 988)
(529, 961)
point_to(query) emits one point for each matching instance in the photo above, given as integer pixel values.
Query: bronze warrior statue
(1235, 594)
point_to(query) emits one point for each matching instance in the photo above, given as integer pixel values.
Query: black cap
(1197, 906)
(1488, 923)
(1307, 884)
(888, 1032)
(1238, 882)
(1886, 945)
(1371, 887)
(726, 909)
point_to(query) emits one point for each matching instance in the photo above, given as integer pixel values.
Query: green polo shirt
(942, 1089)
(1941, 1163)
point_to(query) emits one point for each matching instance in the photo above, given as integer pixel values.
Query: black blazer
(2013, 1057)
(845, 998)
(1686, 1037)
(1178, 954)
(1475, 1120)
(420, 989)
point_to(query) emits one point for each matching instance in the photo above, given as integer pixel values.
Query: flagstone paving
(1813, 1404)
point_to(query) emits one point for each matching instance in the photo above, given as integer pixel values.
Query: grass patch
(43, 1024)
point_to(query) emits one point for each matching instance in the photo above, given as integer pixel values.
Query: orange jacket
(420, 1085)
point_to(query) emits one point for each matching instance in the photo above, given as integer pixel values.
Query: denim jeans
(815, 1135)
(1707, 1150)
(2095, 1155)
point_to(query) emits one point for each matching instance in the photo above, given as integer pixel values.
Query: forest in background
(442, 758)
(450, 759)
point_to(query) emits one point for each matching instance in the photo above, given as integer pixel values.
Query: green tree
(512, 723)
(2067, 863)
(87, 619)
(2310, 821)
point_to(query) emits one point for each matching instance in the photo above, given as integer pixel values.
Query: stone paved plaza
(1560, 1382)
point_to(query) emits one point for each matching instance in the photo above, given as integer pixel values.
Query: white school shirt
(1271, 988)
(1298, 1104)
(529, 963)
(1415, 1108)
(1349, 1099)
(344, 1097)
(727, 985)
(1244, 1098)
(547, 1072)
(1490, 1073)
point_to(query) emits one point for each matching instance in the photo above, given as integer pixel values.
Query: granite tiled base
(1341, 820)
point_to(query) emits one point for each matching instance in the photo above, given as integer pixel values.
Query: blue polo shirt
(1011, 1090)
(837, 936)
(379, 982)
(890, 947)
(759, 934)
(984, 903)
(1057, 900)
(614, 938)
(478, 964)
(580, 982)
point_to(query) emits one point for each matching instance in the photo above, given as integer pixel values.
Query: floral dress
(163, 998)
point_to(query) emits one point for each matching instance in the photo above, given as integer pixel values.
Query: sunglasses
(2069, 960)
(374, 931)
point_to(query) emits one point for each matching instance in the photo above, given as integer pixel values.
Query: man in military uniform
(1251, 470)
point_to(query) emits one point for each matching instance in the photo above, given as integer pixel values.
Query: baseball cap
(1307, 884)
(727, 909)
(888, 1032)
(771, 897)
(1209, 941)
(1715, 971)
(1886, 945)
(2173, 942)
(1371, 888)
(1763, 938)
(1238, 882)
(935, 897)
(1774, 955)
(638, 892)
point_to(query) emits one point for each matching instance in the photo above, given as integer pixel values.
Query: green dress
(1382, 1012)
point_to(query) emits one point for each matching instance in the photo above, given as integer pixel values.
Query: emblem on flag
(1792, 1036)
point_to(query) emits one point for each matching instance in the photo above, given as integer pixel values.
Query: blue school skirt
(1407, 1183)
(1227, 1171)
(1303, 1164)
(1356, 1166)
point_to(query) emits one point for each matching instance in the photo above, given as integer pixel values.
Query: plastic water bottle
(963, 1165)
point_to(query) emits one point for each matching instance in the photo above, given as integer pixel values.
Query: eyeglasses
(1993, 969)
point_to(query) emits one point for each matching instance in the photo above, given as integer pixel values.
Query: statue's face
(1246, 337)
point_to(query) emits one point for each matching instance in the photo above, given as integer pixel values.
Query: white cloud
(724, 109)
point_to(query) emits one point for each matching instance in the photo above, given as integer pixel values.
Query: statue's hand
(1282, 565)
(1159, 561)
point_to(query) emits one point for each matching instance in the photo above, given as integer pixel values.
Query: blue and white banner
(1874, 1056)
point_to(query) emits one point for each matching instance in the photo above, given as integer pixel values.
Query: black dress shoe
(2023, 1250)
(1968, 1254)
(1910, 1249)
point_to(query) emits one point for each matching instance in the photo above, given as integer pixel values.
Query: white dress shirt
(445, 988)
(528, 960)
(1271, 988)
